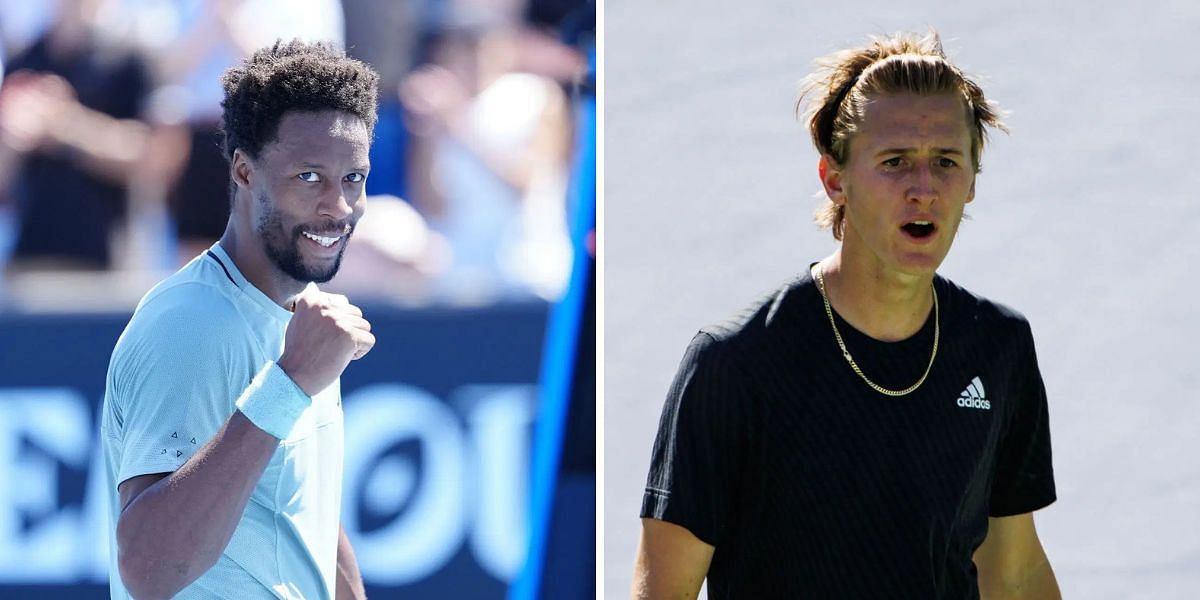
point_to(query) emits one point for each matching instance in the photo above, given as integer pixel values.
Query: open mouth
(919, 229)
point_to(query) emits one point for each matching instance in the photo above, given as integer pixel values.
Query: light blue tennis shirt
(191, 349)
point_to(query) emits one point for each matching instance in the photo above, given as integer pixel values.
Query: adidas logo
(973, 396)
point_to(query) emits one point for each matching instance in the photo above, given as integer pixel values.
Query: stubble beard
(283, 249)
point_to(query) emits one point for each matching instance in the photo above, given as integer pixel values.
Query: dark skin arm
(174, 526)
(349, 580)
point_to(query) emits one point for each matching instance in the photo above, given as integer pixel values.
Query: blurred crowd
(111, 173)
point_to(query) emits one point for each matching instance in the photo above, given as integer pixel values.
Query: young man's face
(909, 164)
(309, 192)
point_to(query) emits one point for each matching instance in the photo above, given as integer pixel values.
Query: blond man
(870, 429)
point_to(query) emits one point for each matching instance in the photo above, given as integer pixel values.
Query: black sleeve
(1024, 474)
(698, 450)
(130, 91)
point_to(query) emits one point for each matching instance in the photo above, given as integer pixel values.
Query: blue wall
(438, 423)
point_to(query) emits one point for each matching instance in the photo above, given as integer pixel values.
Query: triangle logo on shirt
(974, 396)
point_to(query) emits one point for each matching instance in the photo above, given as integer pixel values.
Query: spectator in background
(70, 112)
(203, 43)
(385, 35)
(489, 166)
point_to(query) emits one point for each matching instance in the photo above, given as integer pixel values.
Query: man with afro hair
(222, 417)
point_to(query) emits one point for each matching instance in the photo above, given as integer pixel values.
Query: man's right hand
(325, 334)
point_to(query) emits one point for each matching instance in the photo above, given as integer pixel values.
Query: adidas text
(974, 403)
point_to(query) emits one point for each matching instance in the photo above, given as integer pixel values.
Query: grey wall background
(1085, 220)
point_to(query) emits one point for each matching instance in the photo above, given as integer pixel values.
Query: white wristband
(273, 402)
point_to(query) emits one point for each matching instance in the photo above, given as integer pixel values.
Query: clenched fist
(325, 334)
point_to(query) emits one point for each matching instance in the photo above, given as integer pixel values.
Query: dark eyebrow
(312, 165)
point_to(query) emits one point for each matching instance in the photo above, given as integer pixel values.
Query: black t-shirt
(812, 485)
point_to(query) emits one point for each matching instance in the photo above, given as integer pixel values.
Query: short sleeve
(173, 380)
(697, 453)
(1024, 480)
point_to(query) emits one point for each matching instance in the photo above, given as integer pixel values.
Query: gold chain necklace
(846, 353)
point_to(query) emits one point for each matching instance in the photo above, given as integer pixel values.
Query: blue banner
(438, 426)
